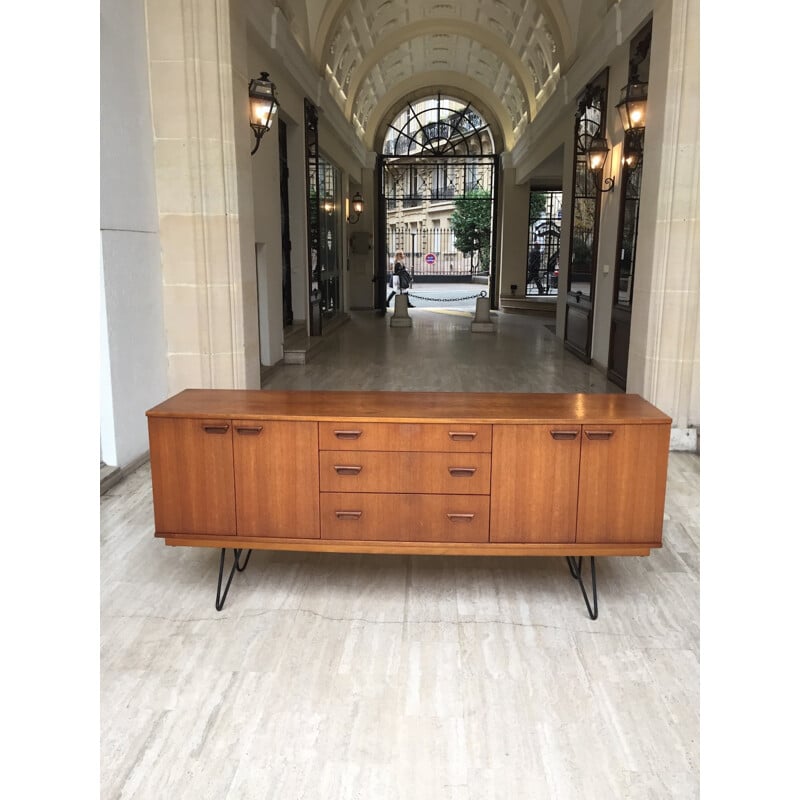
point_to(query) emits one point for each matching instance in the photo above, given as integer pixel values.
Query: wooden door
(192, 466)
(277, 478)
(534, 483)
(623, 478)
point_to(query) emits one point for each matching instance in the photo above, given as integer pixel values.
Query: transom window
(438, 126)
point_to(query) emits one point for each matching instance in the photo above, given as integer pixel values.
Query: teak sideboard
(410, 472)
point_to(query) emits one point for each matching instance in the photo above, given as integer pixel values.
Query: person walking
(401, 279)
(534, 265)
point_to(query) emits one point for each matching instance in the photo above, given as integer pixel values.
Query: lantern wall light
(632, 150)
(596, 155)
(632, 106)
(263, 106)
(357, 206)
(632, 109)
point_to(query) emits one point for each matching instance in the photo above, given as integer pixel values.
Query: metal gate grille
(424, 197)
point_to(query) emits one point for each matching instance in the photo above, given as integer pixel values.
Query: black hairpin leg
(237, 567)
(575, 566)
(238, 553)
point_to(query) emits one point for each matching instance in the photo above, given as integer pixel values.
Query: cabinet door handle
(348, 514)
(347, 434)
(216, 428)
(462, 472)
(557, 435)
(460, 517)
(599, 434)
(254, 431)
(342, 469)
(462, 436)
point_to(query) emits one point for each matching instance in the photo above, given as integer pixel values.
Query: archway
(437, 184)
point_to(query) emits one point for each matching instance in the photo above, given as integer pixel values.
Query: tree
(538, 203)
(472, 225)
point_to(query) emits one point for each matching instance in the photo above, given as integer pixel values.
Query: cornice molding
(315, 86)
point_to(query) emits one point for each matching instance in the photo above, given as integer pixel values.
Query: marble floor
(381, 677)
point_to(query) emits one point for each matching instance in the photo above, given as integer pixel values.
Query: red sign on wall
(430, 258)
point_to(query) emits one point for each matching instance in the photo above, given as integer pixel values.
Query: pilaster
(664, 360)
(197, 100)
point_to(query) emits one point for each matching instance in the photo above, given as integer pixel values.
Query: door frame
(580, 308)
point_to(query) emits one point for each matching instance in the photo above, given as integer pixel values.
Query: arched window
(438, 126)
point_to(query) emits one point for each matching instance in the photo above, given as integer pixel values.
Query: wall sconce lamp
(633, 149)
(632, 109)
(357, 206)
(596, 155)
(327, 205)
(632, 106)
(631, 158)
(263, 106)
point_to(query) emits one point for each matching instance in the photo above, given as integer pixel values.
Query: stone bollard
(482, 322)
(400, 318)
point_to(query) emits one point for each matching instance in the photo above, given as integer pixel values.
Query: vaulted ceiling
(506, 55)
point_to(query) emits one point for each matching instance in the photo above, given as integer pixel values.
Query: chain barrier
(446, 299)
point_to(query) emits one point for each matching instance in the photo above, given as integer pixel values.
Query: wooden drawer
(423, 473)
(404, 517)
(405, 436)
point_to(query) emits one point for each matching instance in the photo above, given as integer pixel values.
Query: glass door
(586, 194)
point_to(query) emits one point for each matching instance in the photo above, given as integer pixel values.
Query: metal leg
(575, 567)
(238, 554)
(220, 602)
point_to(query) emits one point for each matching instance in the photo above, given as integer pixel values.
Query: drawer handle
(462, 436)
(557, 435)
(342, 469)
(254, 431)
(216, 428)
(599, 434)
(347, 434)
(348, 514)
(462, 472)
(460, 517)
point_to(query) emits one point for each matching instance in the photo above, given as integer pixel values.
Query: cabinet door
(534, 483)
(623, 482)
(192, 466)
(277, 478)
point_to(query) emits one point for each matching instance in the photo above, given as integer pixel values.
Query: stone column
(199, 103)
(512, 253)
(664, 356)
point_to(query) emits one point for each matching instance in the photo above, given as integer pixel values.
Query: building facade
(209, 252)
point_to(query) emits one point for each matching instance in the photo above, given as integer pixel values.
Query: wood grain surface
(192, 466)
(467, 407)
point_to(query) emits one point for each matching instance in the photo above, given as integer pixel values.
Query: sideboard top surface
(459, 407)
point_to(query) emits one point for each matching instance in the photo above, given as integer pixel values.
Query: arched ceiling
(426, 54)
(509, 53)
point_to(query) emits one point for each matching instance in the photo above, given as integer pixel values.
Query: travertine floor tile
(393, 677)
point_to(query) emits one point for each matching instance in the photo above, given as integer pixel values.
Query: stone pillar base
(482, 323)
(400, 318)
